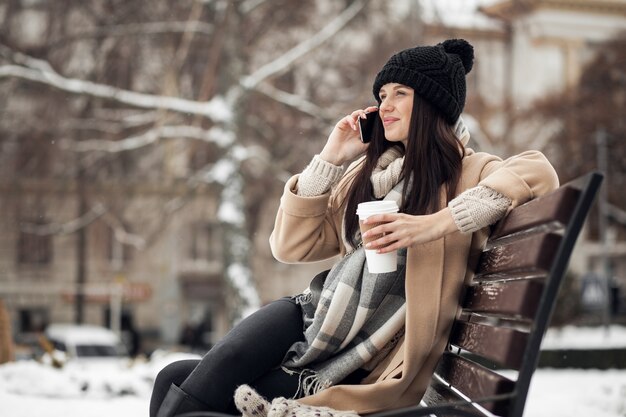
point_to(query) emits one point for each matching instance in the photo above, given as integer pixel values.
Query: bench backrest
(508, 306)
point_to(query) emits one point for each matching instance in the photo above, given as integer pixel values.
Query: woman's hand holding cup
(398, 230)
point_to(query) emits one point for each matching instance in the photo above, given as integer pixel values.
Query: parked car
(85, 341)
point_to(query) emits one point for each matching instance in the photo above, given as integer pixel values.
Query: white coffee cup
(377, 262)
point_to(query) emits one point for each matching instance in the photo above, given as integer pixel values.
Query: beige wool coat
(309, 229)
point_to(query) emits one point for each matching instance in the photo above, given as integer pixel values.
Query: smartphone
(366, 126)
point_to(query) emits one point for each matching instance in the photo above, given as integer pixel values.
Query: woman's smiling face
(396, 106)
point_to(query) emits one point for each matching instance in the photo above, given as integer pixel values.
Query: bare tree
(226, 94)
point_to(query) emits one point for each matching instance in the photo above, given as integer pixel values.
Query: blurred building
(175, 280)
(527, 50)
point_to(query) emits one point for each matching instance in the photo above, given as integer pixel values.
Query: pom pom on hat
(463, 49)
(436, 73)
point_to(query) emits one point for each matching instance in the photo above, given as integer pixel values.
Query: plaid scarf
(352, 319)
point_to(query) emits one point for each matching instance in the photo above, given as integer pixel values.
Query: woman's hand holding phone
(344, 143)
(367, 125)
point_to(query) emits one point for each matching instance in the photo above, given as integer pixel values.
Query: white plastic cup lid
(370, 208)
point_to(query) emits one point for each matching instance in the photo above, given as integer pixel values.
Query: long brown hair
(432, 159)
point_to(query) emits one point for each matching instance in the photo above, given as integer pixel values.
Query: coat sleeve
(521, 178)
(305, 230)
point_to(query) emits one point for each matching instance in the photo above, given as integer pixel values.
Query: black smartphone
(366, 126)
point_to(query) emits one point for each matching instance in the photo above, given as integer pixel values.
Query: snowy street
(29, 389)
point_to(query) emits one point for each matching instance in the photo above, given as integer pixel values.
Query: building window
(34, 249)
(33, 320)
(206, 242)
(198, 331)
(34, 156)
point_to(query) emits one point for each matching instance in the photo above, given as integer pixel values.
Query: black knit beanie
(436, 73)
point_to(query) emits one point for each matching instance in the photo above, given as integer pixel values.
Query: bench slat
(475, 381)
(513, 298)
(502, 345)
(554, 207)
(438, 394)
(532, 255)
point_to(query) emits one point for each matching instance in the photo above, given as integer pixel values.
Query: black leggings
(249, 354)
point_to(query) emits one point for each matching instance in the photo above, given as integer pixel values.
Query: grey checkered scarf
(352, 320)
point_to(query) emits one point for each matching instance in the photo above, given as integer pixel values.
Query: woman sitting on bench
(356, 340)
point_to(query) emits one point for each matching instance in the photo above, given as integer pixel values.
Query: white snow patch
(572, 337)
(220, 109)
(221, 171)
(230, 212)
(221, 137)
(85, 379)
(567, 393)
(241, 278)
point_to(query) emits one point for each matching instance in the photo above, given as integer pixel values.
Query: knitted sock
(250, 403)
(282, 407)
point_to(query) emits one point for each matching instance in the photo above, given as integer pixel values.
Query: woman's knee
(259, 340)
(175, 372)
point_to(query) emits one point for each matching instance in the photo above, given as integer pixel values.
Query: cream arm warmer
(478, 207)
(318, 177)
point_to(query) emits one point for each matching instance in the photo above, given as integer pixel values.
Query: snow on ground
(572, 393)
(571, 337)
(553, 393)
(91, 388)
(31, 389)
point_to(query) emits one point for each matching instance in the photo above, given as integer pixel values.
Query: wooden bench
(494, 345)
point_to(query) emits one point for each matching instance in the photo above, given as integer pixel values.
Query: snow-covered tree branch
(217, 135)
(179, 113)
(121, 234)
(138, 29)
(294, 100)
(216, 109)
(65, 228)
(287, 59)
(249, 5)
(144, 29)
(40, 71)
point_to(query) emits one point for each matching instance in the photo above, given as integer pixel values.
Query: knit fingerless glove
(318, 177)
(478, 207)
